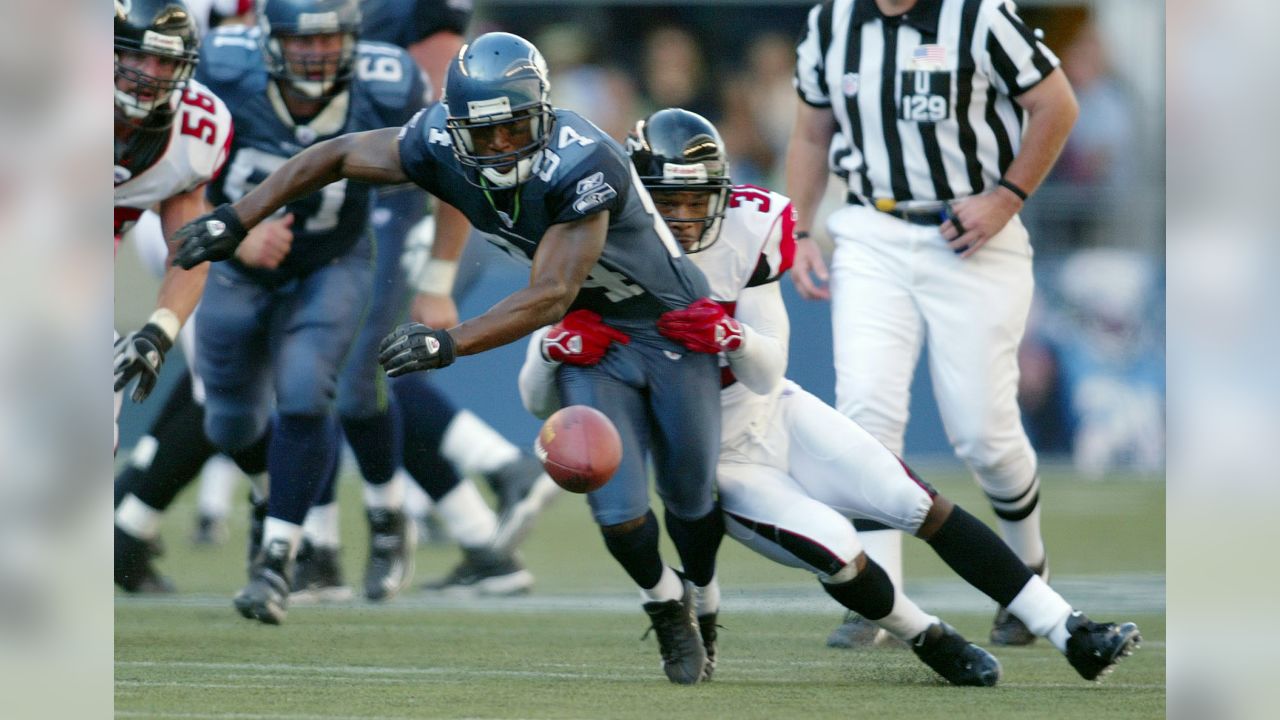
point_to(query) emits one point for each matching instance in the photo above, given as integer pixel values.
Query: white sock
(416, 500)
(885, 547)
(1043, 611)
(277, 529)
(321, 525)
(217, 482)
(708, 598)
(669, 587)
(144, 452)
(473, 447)
(906, 620)
(1023, 537)
(388, 495)
(470, 521)
(138, 518)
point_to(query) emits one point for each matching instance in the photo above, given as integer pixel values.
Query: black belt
(930, 218)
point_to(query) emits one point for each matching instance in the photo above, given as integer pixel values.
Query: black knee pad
(869, 593)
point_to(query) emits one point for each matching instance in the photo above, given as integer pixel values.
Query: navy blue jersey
(642, 272)
(387, 89)
(405, 22)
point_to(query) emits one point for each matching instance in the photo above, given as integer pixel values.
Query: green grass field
(572, 649)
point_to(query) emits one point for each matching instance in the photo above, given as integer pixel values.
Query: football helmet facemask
(311, 72)
(675, 150)
(156, 50)
(499, 116)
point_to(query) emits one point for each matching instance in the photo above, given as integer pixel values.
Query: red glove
(703, 327)
(581, 338)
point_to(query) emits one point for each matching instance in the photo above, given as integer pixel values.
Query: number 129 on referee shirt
(925, 96)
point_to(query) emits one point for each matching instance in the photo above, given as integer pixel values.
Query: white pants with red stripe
(790, 482)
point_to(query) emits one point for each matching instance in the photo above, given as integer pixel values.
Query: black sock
(637, 551)
(302, 452)
(425, 413)
(697, 541)
(979, 556)
(377, 442)
(869, 593)
(253, 459)
(181, 449)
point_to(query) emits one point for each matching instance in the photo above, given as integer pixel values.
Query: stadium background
(1093, 362)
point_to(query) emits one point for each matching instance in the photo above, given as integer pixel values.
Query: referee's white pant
(896, 285)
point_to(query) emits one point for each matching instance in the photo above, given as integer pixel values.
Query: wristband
(1013, 189)
(167, 321)
(436, 277)
(800, 235)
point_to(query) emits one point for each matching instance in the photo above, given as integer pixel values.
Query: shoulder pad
(228, 54)
(390, 76)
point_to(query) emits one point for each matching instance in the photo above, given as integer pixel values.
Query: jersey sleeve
(433, 16)
(398, 86)
(597, 182)
(207, 133)
(1011, 54)
(416, 160)
(779, 249)
(538, 379)
(811, 73)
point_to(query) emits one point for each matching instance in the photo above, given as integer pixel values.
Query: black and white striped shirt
(924, 101)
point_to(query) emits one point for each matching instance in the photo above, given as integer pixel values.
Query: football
(579, 448)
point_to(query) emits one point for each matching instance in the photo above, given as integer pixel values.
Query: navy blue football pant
(265, 348)
(665, 402)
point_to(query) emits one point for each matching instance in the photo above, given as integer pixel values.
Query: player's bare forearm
(1051, 112)
(370, 157)
(807, 161)
(452, 229)
(564, 258)
(180, 290)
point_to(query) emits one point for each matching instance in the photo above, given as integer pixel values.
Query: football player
(553, 190)
(792, 470)
(277, 322)
(172, 136)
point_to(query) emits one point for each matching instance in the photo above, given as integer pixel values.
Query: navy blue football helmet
(499, 115)
(312, 75)
(679, 150)
(162, 29)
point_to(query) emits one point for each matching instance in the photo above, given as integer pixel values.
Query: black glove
(414, 346)
(213, 236)
(141, 354)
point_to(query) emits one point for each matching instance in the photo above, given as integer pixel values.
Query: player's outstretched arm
(371, 157)
(564, 258)
(806, 183)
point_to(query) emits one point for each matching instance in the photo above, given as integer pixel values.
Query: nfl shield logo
(849, 84)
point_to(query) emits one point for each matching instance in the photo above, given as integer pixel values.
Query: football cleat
(684, 658)
(1093, 649)
(858, 632)
(524, 490)
(1008, 631)
(485, 572)
(134, 572)
(707, 629)
(957, 660)
(317, 576)
(266, 597)
(392, 541)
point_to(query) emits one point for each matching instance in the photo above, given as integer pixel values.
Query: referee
(941, 117)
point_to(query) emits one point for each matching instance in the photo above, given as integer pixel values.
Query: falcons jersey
(642, 272)
(197, 146)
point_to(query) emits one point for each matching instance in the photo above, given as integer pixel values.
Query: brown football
(579, 448)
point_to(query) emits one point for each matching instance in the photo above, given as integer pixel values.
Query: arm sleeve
(1011, 54)
(810, 79)
(762, 360)
(538, 379)
(596, 183)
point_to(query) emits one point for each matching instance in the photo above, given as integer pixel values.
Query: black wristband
(448, 350)
(157, 336)
(1013, 189)
(800, 235)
